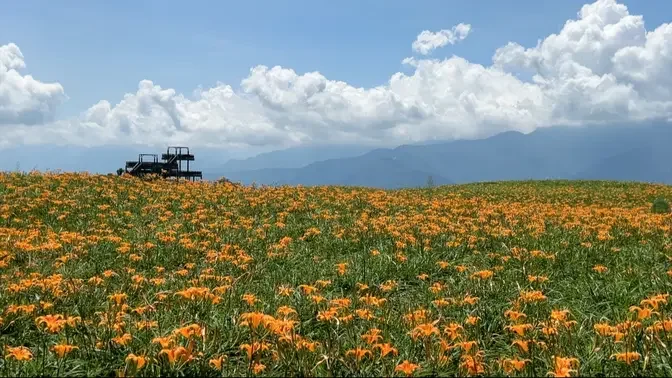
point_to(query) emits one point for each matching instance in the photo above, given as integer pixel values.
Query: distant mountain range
(641, 152)
(614, 152)
(296, 157)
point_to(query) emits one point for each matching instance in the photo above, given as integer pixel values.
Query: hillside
(108, 274)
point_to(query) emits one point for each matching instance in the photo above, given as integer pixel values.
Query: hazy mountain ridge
(639, 152)
(295, 157)
(619, 152)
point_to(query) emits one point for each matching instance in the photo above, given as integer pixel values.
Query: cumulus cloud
(428, 41)
(215, 117)
(23, 99)
(603, 66)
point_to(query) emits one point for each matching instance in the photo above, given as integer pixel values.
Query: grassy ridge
(106, 275)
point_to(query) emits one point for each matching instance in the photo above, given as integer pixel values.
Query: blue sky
(102, 49)
(86, 62)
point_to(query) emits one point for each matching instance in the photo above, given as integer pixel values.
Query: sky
(271, 74)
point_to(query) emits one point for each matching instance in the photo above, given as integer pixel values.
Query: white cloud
(23, 99)
(604, 66)
(428, 41)
(216, 117)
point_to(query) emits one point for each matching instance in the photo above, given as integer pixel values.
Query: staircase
(170, 166)
(142, 167)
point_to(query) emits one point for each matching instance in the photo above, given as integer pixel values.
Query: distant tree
(430, 181)
(660, 206)
(120, 171)
(224, 180)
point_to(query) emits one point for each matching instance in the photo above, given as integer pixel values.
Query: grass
(107, 275)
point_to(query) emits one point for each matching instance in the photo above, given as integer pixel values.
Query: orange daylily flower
(372, 336)
(217, 362)
(358, 353)
(519, 329)
(139, 361)
(53, 323)
(627, 357)
(407, 368)
(424, 330)
(564, 366)
(179, 354)
(386, 349)
(511, 365)
(62, 350)
(19, 353)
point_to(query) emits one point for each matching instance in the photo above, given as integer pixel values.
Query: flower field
(106, 275)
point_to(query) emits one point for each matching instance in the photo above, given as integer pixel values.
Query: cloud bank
(603, 66)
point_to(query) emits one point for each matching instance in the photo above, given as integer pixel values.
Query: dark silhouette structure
(170, 164)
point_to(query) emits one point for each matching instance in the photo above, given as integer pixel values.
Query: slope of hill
(332, 237)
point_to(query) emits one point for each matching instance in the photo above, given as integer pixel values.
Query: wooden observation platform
(170, 165)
